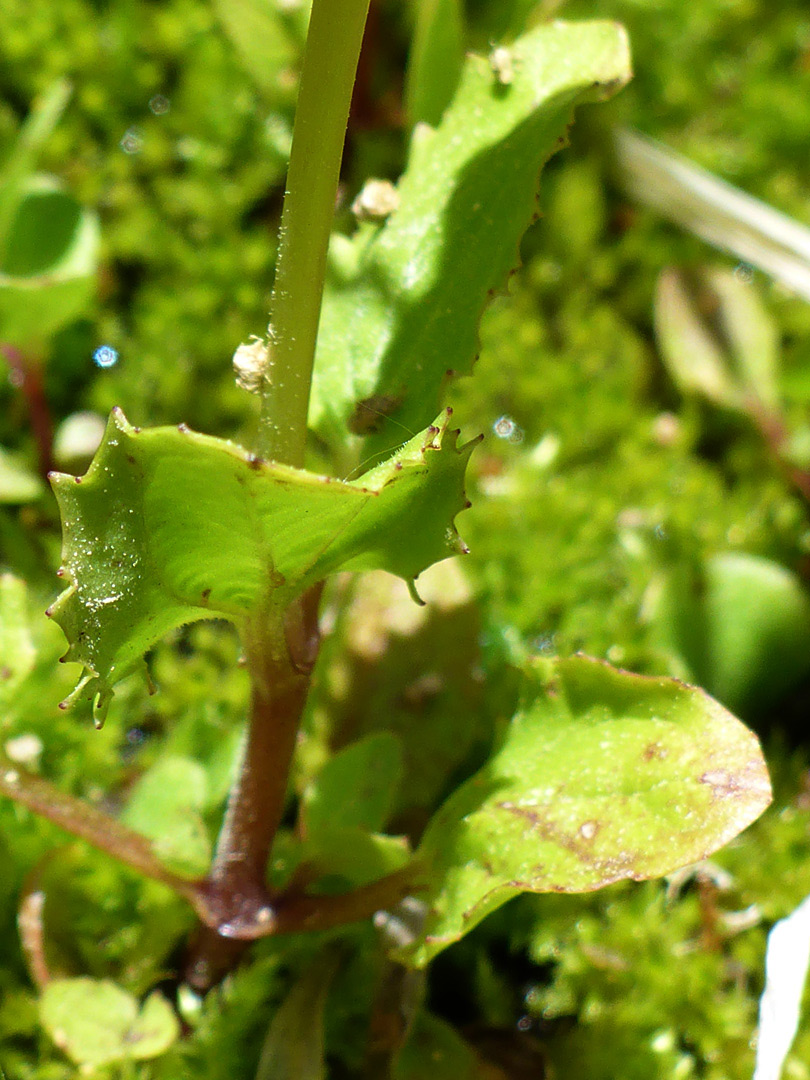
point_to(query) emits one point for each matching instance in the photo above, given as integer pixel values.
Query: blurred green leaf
(47, 276)
(435, 61)
(741, 625)
(693, 356)
(165, 806)
(403, 310)
(294, 1048)
(263, 37)
(17, 653)
(411, 671)
(357, 787)
(97, 1023)
(751, 333)
(603, 776)
(354, 854)
(435, 1049)
(717, 339)
(22, 160)
(18, 484)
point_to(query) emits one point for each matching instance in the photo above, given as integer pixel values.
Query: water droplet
(105, 356)
(544, 643)
(506, 428)
(159, 105)
(744, 272)
(132, 141)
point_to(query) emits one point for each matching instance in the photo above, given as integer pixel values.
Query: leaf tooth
(59, 480)
(82, 689)
(411, 583)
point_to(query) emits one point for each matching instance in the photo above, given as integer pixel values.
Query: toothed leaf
(603, 776)
(403, 300)
(170, 526)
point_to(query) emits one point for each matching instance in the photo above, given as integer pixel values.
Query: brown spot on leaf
(371, 412)
(654, 751)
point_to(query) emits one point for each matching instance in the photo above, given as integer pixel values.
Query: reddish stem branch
(97, 828)
(775, 434)
(296, 914)
(27, 377)
(280, 659)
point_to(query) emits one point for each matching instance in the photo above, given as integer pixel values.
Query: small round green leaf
(96, 1023)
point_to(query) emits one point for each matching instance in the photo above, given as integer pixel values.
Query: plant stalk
(280, 661)
(324, 96)
(81, 819)
(280, 665)
(279, 688)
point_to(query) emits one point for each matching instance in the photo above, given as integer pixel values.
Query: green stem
(324, 96)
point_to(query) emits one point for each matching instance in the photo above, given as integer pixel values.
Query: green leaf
(403, 308)
(357, 788)
(751, 333)
(21, 162)
(354, 855)
(435, 1049)
(263, 37)
(47, 276)
(741, 625)
(18, 484)
(169, 526)
(165, 806)
(17, 653)
(602, 776)
(717, 339)
(412, 671)
(96, 1023)
(691, 353)
(294, 1048)
(435, 61)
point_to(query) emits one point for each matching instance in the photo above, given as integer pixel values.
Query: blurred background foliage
(613, 512)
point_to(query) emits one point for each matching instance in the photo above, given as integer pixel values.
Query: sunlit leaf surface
(169, 526)
(603, 776)
(402, 306)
